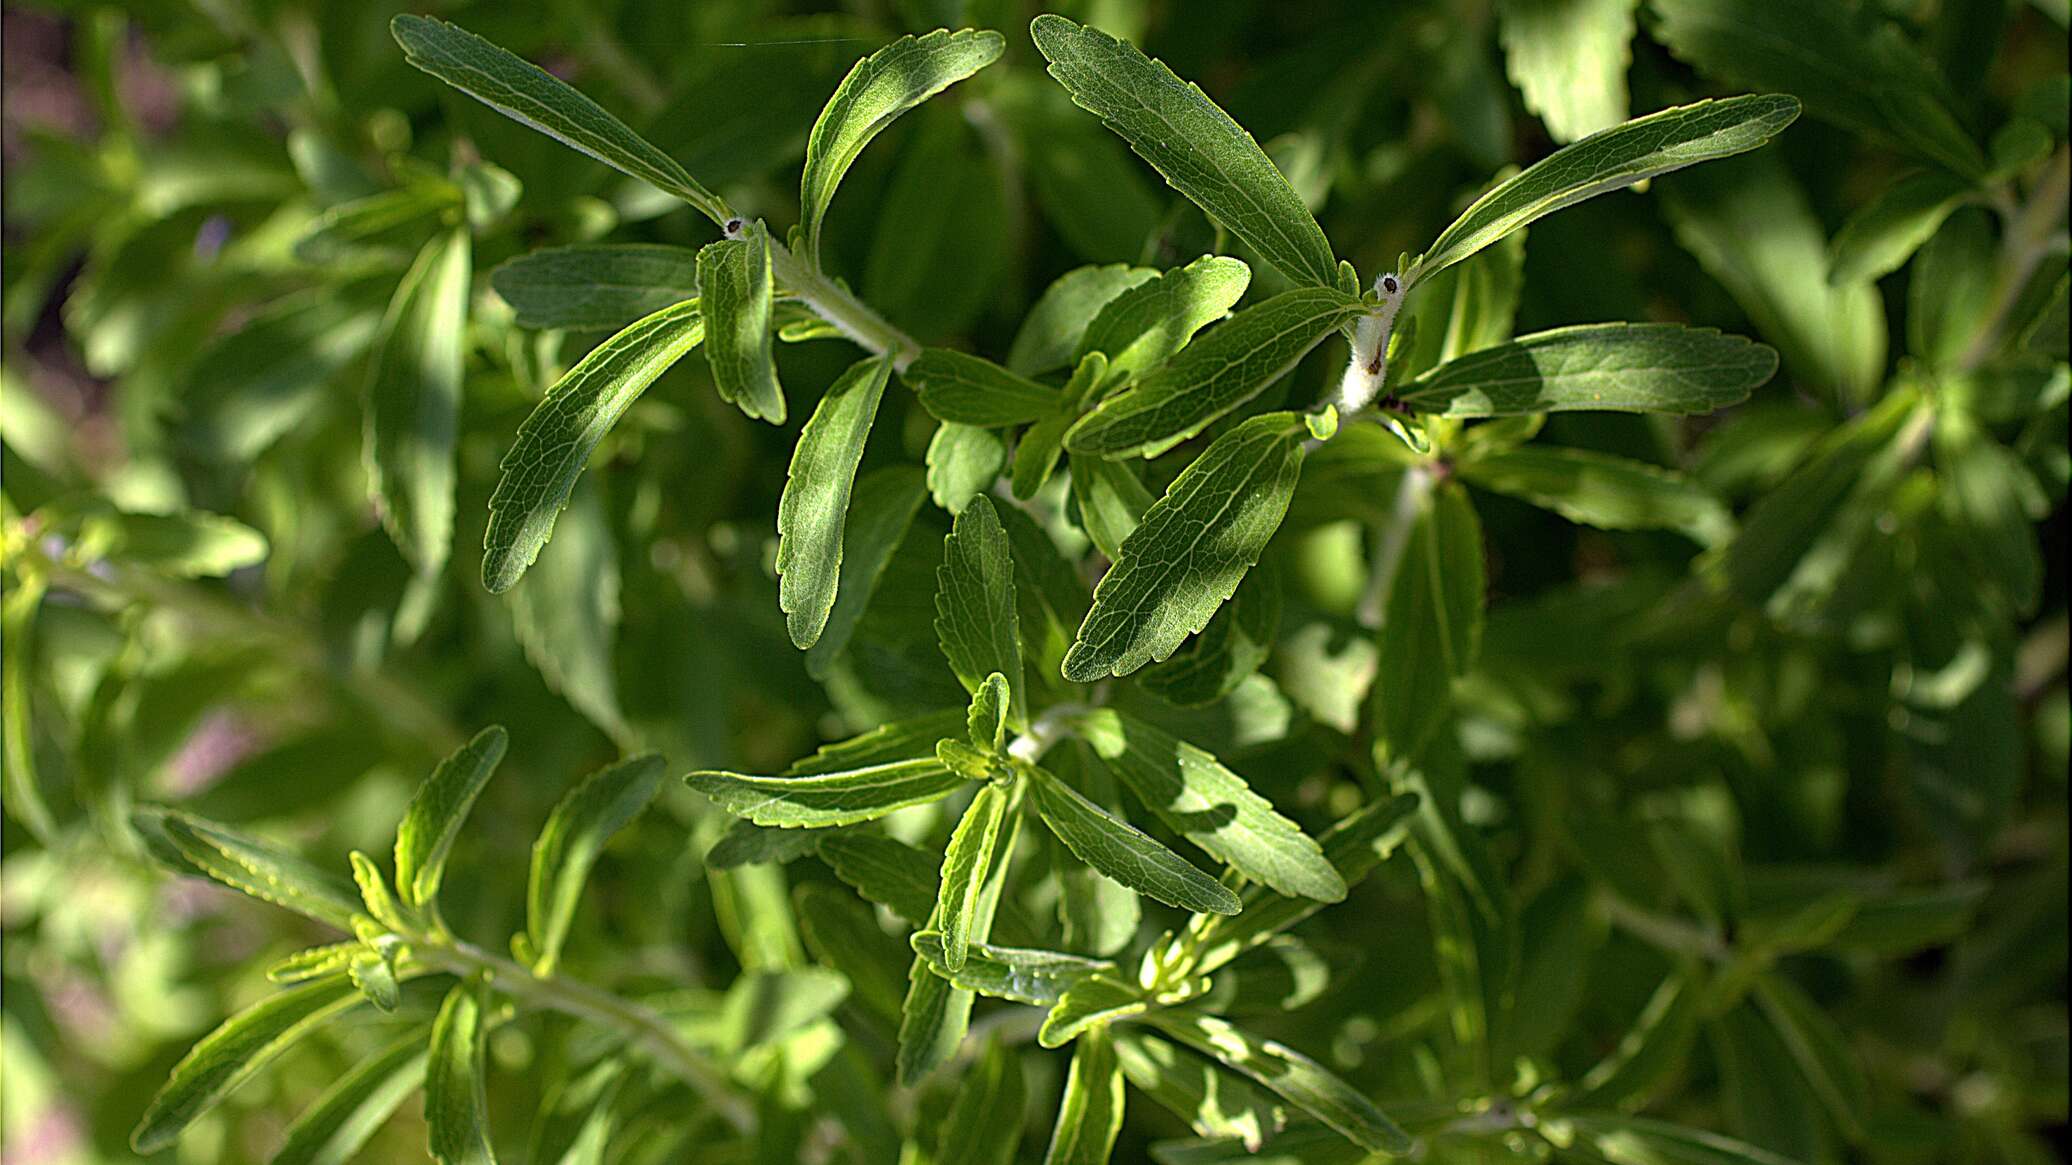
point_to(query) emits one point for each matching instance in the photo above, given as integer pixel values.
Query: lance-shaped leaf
(1039, 978)
(413, 401)
(936, 1013)
(738, 295)
(986, 721)
(975, 617)
(1880, 237)
(1198, 798)
(436, 812)
(1819, 1047)
(1597, 489)
(1122, 851)
(374, 225)
(1295, 1077)
(456, 1105)
(1090, 1112)
(971, 390)
(1650, 1052)
(1609, 160)
(828, 799)
(909, 739)
(881, 507)
(1192, 548)
(889, 872)
(555, 442)
(567, 617)
(1190, 141)
(1234, 362)
(1354, 847)
(596, 286)
(966, 864)
(1095, 1001)
(1623, 1139)
(876, 92)
(1050, 333)
(1835, 59)
(1213, 1101)
(338, 1124)
(1631, 368)
(984, 1125)
(814, 510)
(1432, 628)
(1568, 59)
(963, 462)
(228, 1056)
(1142, 327)
(247, 865)
(566, 849)
(529, 94)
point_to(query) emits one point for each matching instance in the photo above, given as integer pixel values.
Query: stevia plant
(1243, 822)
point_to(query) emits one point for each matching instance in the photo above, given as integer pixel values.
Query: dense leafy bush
(1585, 682)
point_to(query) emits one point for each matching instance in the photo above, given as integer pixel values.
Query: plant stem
(639, 1025)
(1390, 543)
(839, 306)
(2030, 236)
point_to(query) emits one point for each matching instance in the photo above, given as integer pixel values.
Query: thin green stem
(840, 307)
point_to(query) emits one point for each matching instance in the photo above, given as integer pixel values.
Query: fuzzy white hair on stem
(1369, 365)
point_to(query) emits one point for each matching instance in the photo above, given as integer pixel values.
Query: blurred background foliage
(1842, 773)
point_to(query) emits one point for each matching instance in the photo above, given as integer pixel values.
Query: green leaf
(566, 619)
(1986, 495)
(890, 873)
(815, 506)
(911, 739)
(876, 92)
(1190, 141)
(575, 834)
(966, 865)
(987, 719)
(1880, 237)
(1236, 642)
(1293, 1076)
(1821, 1050)
(529, 94)
(555, 442)
(374, 891)
(313, 962)
(437, 811)
(23, 600)
(970, 390)
(963, 462)
(596, 286)
(1856, 70)
(188, 544)
(1090, 1112)
(1112, 500)
(1228, 366)
(1145, 325)
(1098, 1000)
(1198, 798)
(975, 617)
(1638, 368)
(1597, 489)
(340, 1122)
(1752, 228)
(1038, 978)
(1122, 851)
(1649, 1053)
(1432, 627)
(372, 226)
(413, 401)
(1354, 847)
(828, 799)
(1036, 453)
(230, 1055)
(739, 298)
(842, 931)
(881, 507)
(1606, 161)
(456, 1106)
(747, 844)
(984, 1126)
(1625, 1140)
(936, 1014)
(247, 865)
(1568, 58)
(375, 976)
(1214, 1103)
(934, 273)
(1050, 333)
(1192, 548)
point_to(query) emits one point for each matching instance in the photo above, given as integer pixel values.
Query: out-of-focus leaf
(413, 401)
(1090, 1112)
(334, 1128)
(1291, 1075)
(569, 845)
(596, 286)
(1569, 58)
